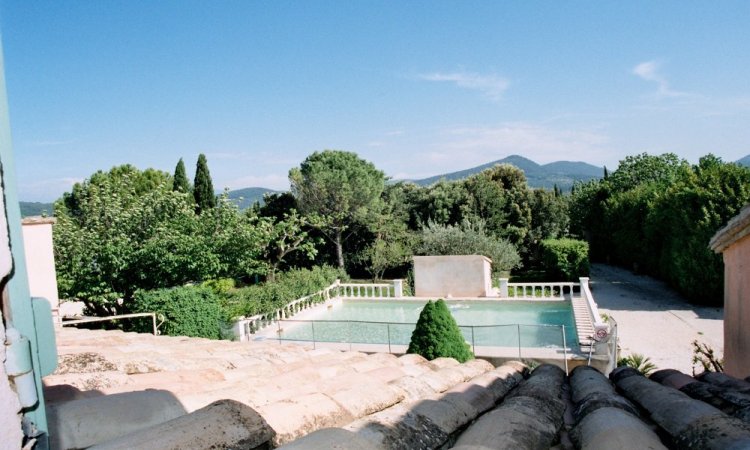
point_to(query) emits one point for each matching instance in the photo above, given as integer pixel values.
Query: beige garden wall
(40, 260)
(734, 242)
(452, 276)
(737, 308)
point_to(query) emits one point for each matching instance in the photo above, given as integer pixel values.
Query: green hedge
(188, 310)
(437, 334)
(565, 259)
(288, 286)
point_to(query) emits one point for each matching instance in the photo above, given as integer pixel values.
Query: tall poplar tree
(180, 181)
(203, 187)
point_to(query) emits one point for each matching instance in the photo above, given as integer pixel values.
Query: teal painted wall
(22, 317)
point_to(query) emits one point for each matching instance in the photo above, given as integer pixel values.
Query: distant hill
(244, 198)
(560, 173)
(29, 209)
(744, 161)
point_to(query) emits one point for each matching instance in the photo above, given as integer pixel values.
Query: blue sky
(418, 88)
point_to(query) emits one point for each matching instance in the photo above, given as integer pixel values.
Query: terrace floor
(653, 319)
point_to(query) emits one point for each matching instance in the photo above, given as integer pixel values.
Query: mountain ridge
(560, 173)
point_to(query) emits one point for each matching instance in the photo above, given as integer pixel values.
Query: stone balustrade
(535, 291)
(244, 327)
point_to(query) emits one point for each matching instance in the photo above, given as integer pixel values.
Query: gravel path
(653, 319)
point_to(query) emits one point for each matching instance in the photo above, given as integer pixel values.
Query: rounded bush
(437, 334)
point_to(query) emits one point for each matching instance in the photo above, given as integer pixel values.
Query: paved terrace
(116, 390)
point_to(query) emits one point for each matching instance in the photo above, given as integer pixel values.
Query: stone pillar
(398, 288)
(503, 287)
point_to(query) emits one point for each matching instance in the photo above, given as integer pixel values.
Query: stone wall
(452, 276)
(737, 308)
(734, 242)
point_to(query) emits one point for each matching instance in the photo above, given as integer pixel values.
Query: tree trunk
(339, 249)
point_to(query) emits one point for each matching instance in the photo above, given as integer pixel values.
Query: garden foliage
(565, 259)
(271, 295)
(657, 214)
(126, 229)
(187, 310)
(468, 239)
(437, 334)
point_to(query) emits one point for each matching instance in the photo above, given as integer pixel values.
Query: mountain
(560, 173)
(244, 198)
(29, 209)
(744, 161)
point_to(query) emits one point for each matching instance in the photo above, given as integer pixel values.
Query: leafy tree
(501, 197)
(277, 205)
(124, 230)
(445, 202)
(437, 334)
(180, 182)
(203, 187)
(468, 239)
(338, 187)
(644, 168)
(286, 236)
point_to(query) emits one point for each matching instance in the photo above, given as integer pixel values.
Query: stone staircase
(584, 323)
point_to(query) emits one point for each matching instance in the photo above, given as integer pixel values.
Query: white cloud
(492, 86)
(651, 71)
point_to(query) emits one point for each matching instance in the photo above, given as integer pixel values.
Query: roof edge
(737, 228)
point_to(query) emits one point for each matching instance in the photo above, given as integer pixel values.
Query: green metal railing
(390, 334)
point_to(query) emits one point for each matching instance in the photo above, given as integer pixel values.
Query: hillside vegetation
(126, 230)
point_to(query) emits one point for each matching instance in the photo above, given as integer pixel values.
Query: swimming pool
(483, 322)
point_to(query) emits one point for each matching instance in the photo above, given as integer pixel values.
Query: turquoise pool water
(483, 323)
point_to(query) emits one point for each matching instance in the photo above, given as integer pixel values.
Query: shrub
(638, 362)
(565, 259)
(469, 239)
(437, 334)
(187, 310)
(271, 295)
(220, 286)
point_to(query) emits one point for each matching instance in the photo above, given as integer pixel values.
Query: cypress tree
(203, 187)
(606, 173)
(437, 334)
(180, 181)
